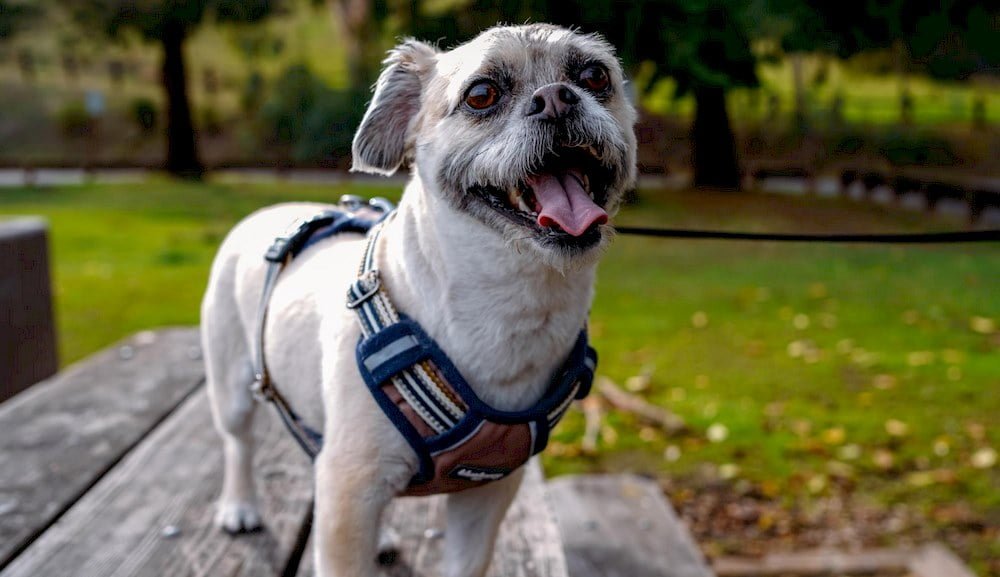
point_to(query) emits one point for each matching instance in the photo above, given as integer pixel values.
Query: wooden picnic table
(111, 468)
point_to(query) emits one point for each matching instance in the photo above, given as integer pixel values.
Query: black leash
(916, 238)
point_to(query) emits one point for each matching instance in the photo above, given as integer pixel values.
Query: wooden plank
(816, 562)
(152, 514)
(528, 544)
(933, 560)
(62, 435)
(936, 560)
(28, 336)
(621, 526)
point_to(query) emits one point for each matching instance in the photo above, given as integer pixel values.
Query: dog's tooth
(523, 205)
(514, 196)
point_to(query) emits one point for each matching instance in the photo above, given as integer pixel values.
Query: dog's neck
(506, 320)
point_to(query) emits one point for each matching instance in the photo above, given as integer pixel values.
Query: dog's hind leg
(229, 373)
(474, 517)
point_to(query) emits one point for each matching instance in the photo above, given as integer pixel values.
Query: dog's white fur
(504, 308)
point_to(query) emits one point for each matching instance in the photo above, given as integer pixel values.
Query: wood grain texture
(528, 544)
(27, 326)
(152, 514)
(621, 526)
(936, 560)
(62, 435)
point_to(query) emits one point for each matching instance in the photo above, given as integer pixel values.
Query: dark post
(27, 328)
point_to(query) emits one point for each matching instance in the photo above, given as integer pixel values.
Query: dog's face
(527, 129)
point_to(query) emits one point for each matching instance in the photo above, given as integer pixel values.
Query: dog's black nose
(552, 101)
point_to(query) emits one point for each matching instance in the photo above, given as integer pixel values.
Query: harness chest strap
(460, 440)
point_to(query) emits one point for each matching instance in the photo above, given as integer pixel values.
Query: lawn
(803, 371)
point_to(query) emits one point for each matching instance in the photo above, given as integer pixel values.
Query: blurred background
(829, 395)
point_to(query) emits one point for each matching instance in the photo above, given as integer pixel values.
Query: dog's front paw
(237, 517)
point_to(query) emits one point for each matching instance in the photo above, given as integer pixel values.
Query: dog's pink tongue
(565, 203)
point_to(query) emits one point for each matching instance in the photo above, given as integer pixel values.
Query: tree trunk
(353, 19)
(713, 143)
(182, 150)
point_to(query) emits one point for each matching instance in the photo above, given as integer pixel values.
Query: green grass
(808, 350)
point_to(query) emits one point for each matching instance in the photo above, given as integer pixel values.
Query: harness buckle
(261, 390)
(373, 277)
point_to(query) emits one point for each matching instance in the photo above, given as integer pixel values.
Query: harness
(460, 440)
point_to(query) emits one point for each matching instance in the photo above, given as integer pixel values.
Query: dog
(520, 144)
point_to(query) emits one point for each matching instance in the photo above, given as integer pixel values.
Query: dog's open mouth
(562, 201)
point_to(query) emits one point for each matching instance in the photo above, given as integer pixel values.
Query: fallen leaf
(816, 484)
(884, 382)
(954, 373)
(941, 447)
(984, 458)
(896, 428)
(677, 394)
(976, 430)
(982, 325)
(817, 290)
(849, 452)
(728, 470)
(920, 479)
(883, 459)
(701, 381)
(717, 433)
(648, 434)
(672, 453)
(637, 383)
(911, 317)
(920, 358)
(800, 322)
(834, 436)
(840, 470)
(699, 320)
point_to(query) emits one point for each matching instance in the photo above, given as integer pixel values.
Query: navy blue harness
(460, 440)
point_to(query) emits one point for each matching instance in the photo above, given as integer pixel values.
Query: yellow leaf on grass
(717, 433)
(834, 436)
(983, 325)
(896, 428)
(984, 458)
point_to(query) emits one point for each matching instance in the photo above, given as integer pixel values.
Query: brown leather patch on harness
(494, 448)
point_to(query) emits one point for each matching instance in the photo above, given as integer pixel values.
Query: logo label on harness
(477, 474)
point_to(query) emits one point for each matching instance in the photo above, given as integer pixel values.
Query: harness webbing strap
(301, 234)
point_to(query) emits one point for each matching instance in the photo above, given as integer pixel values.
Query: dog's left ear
(386, 132)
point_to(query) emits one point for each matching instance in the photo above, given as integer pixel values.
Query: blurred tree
(358, 23)
(701, 44)
(170, 22)
(15, 16)
(949, 39)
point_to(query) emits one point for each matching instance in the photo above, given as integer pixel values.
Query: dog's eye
(482, 95)
(594, 78)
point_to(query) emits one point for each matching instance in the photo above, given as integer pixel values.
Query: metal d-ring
(376, 280)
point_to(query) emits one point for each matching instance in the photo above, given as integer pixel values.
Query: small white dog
(520, 142)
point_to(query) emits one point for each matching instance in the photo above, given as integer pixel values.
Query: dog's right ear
(385, 136)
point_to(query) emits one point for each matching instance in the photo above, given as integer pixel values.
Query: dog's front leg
(474, 518)
(349, 503)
